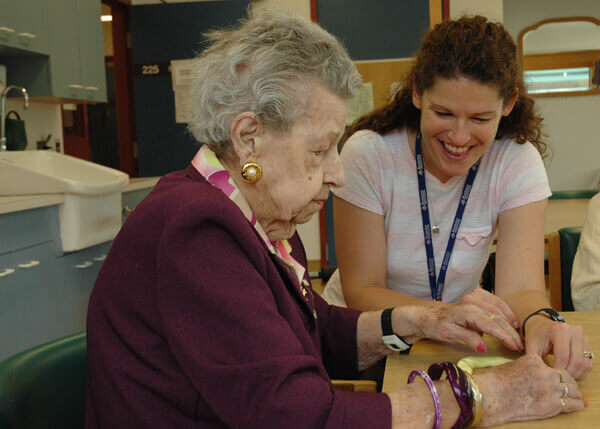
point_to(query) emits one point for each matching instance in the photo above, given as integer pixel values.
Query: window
(557, 80)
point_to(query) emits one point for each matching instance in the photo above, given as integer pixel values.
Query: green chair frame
(44, 387)
(562, 246)
(584, 194)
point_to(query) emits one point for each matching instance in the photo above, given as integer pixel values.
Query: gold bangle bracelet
(477, 400)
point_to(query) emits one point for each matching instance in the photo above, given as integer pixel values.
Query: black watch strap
(550, 312)
(390, 339)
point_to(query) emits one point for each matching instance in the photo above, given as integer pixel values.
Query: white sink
(48, 172)
(91, 213)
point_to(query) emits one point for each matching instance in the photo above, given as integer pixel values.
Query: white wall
(298, 7)
(572, 123)
(519, 14)
(40, 120)
(573, 128)
(492, 9)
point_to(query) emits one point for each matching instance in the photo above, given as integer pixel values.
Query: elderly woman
(203, 314)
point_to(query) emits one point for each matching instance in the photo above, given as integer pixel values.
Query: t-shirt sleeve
(363, 167)
(523, 178)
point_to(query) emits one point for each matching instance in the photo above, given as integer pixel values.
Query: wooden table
(426, 352)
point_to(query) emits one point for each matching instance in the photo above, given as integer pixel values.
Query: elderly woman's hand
(526, 389)
(464, 324)
(492, 303)
(567, 342)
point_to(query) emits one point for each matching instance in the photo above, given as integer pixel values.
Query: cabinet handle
(29, 264)
(7, 30)
(7, 272)
(84, 265)
(75, 86)
(91, 88)
(27, 35)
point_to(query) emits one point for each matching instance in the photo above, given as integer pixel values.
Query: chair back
(562, 246)
(583, 194)
(44, 387)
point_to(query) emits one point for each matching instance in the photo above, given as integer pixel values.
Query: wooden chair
(562, 246)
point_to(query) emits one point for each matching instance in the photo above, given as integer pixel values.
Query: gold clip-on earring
(251, 172)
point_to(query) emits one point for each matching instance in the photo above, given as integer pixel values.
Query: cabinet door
(30, 21)
(65, 72)
(76, 275)
(8, 32)
(28, 299)
(91, 50)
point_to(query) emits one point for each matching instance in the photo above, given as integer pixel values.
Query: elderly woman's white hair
(264, 66)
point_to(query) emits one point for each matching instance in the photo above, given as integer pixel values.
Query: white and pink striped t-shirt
(381, 178)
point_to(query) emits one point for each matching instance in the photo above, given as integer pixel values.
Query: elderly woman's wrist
(407, 322)
(412, 406)
(494, 408)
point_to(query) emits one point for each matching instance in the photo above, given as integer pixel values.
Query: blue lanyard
(437, 286)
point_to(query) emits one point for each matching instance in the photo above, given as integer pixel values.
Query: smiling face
(459, 121)
(299, 166)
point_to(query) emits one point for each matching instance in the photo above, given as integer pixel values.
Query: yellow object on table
(469, 363)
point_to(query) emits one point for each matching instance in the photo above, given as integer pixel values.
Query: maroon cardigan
(193, 323)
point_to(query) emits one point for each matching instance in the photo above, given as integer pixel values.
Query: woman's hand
(526, 389)
(566, 342)
(464, 324)
(492, 303)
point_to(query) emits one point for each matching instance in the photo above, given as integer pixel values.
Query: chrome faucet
(3, 112)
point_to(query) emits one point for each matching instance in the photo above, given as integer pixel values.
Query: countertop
(137, 183)
(9, 204)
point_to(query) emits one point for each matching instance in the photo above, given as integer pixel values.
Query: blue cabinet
(44, 292)
(75, 276)
(28, 298)
(77, 69)
(24, 25)
(91, 50)
(59, 51)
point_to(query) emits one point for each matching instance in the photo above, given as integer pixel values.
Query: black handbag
(16, 139)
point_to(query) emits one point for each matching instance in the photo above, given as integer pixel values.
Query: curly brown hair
(469, 47)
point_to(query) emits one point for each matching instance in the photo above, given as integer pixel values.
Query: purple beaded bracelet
(437, 424)
(461, 387)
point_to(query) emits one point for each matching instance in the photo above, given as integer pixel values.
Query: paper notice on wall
(181, 72)
(361, 104)
(181, 76)
(183, 104)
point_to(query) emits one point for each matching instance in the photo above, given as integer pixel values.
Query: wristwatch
(391, 340)
(550, 312)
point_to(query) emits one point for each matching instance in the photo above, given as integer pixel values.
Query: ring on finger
(589, 355)
(562, 402)
(563, 378)
(565, 392)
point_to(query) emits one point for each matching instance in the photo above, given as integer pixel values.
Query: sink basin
(91, 213)
(47, 172)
